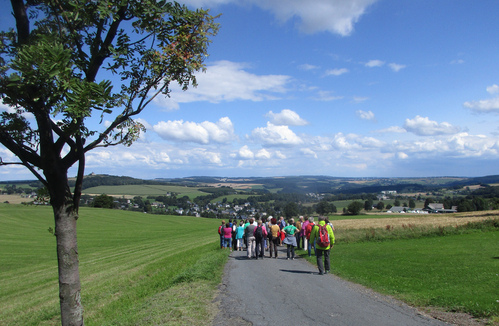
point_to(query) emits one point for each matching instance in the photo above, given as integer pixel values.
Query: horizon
(344, 87)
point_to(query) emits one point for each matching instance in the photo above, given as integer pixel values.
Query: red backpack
(323, 237)
(220, 229)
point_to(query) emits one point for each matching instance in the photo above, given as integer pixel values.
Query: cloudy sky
(350, 88)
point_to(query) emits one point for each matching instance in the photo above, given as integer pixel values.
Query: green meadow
(456, 272)
(145, 190)
(135, 268)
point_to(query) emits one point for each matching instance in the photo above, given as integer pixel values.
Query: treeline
(109, 180)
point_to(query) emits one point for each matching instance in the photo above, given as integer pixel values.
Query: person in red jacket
(221, 233)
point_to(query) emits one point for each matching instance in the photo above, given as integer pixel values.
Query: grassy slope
(145, 190)
(135, 268)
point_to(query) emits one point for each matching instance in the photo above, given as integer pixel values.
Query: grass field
(144, 190)
(135, 268)
(456, 272)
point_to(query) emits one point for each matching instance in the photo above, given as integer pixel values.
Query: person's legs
(257, 247)
(297, 237)
(262, 248)
(293, 252)
(288, 250)
(221, 242)
(327, 264)
(309, 249)
(320, 263)
(274, 245)
(251, 244)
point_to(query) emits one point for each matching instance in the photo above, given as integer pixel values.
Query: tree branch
(22, 21)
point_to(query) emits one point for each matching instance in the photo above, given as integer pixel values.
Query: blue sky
(359, 88)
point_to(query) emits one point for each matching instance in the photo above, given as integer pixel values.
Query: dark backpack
(259, 232)
(323, 236)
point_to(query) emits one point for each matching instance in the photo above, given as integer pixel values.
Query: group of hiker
(258, 236)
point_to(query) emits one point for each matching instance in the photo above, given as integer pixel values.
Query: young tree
(380, 205)
(56, 66)
(412, 203)
(355, 207)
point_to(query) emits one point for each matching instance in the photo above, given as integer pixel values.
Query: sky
(346, 88)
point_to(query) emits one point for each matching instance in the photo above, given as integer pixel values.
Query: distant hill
(293, 184)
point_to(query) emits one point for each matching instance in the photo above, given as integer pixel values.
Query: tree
(380, 205)
(60, 58)
(323, 208)
(291, 209)
(355, 207)
(103, 201)
(412, 203)
(428, 201)
(396, 202)
(368, 204)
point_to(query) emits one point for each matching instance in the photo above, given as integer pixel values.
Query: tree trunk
(67, 256)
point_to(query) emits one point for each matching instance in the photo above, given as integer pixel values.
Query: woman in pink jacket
(228, 236)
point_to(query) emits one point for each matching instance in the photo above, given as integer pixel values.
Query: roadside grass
(455, 268)
(135, 268)
(145, 190)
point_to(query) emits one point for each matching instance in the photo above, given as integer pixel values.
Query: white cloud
(320, 15)
(374, 63)
(425, 127)
(263, 154)
(280, 155)
(402, 155)
(483, 106)
(201, 133)
(327, 96)
(308, 152)
(286, 118)
(396, 67)
(365, 115)
(457, 62)
(493, 89)
(359, 99)
(393, 129)
(307, 67)
(245, 153)
(273, 135)
(336, 72)
(227, 81)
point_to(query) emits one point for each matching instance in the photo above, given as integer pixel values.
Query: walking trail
(291, 292)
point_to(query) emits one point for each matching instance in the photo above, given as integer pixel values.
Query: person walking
(273, 237)
(221, 233)
(307, 234)
(239, 236)
(297, 233)
(323, 249)
(228, 236)
(250, 238)
(260, 234)
(303, 238)
(290, 239)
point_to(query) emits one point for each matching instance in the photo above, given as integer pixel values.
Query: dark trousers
(319, 253)
(260, 248)
(292, 249)
(298, 238)
(273, 246)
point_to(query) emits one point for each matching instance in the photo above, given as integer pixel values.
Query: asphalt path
(291, 292)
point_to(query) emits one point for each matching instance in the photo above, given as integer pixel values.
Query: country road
(290, 292)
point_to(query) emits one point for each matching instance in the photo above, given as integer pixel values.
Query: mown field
(144, 190)
(136, 268)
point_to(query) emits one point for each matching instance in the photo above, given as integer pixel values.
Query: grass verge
(135, 268)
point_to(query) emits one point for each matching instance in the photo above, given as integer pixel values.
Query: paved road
(291, 292)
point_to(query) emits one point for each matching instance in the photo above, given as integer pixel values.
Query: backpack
(259, 232)
(221, 230)
(323, 236)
